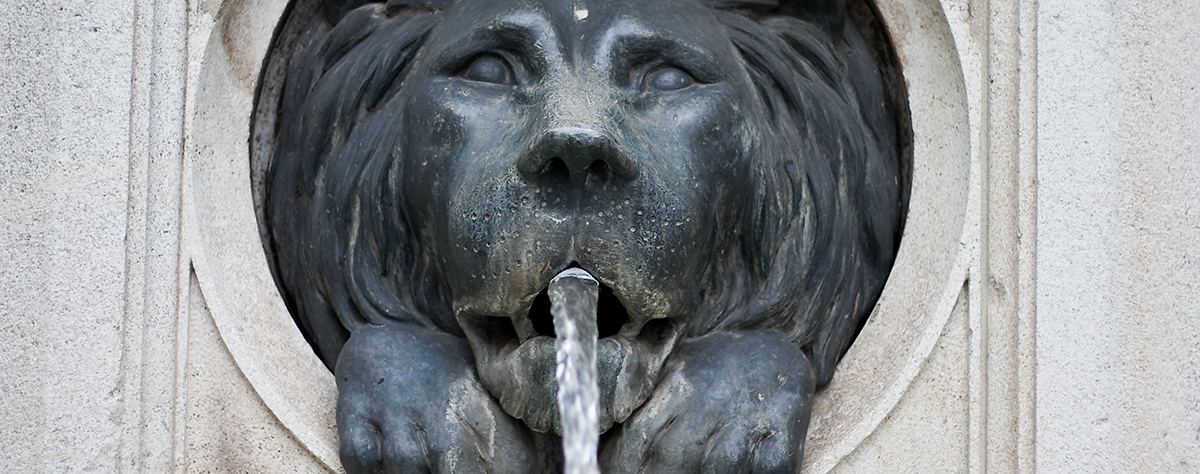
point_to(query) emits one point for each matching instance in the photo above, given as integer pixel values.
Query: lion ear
(830, 14)
(336, 9)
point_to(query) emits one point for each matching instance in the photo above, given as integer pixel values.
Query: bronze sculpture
(727, 170)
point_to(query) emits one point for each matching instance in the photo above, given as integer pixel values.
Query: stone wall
(1040, 317)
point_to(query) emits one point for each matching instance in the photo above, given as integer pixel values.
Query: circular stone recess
(230, 262)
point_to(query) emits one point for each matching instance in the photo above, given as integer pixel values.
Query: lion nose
(575, 153)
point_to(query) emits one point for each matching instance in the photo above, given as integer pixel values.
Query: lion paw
(728, 403)
(409, 402)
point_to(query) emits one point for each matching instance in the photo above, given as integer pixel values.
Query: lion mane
(812, 253)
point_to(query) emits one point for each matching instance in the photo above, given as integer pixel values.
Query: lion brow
(743, 4)
(394, 6)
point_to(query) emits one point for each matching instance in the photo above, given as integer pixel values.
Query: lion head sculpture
(726, 169)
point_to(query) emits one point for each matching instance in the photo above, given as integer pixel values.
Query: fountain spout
(573, 296)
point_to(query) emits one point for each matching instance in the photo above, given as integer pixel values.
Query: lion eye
(668, 79)
(489, 69)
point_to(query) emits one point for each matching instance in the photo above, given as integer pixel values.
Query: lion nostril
(600, 168)
(556, 170)
(576, 154)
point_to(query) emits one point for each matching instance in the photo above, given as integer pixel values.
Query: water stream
(573, 295)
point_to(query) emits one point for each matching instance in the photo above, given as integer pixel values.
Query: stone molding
(941, 247)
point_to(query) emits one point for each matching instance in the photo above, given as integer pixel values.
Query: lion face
(538, 137)
(719, 166)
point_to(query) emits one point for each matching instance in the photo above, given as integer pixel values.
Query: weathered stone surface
(1118, 338)
(1077, 119)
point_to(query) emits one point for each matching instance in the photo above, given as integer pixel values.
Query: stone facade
(1039, 317)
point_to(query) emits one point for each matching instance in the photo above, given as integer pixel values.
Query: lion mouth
(611, 315)
(515, 357)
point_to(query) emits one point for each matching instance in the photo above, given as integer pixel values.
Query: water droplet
(600, 214)
(502, 239)
(652, 219)
(631, 229)
(489, 243)
(487, 217)
(639, 268)
(626, 200)
(639, 212)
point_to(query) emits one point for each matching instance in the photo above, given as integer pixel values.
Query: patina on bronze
(726, 170)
